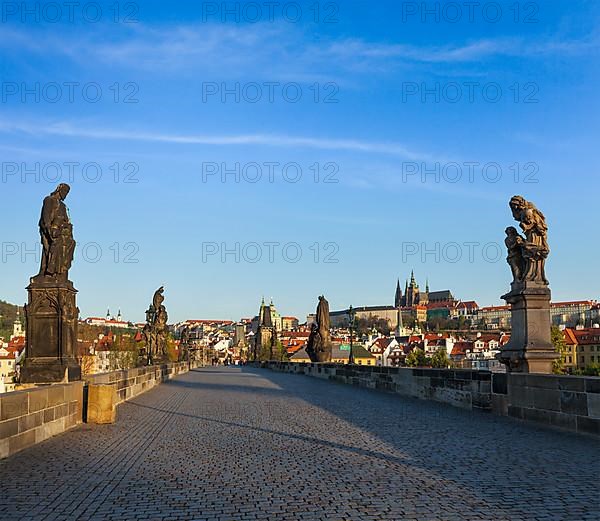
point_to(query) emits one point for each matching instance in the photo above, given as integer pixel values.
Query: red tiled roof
(460, 348)
(436, 336)
(589, 336)
(495, 308)
(204, 321)
(573, 303)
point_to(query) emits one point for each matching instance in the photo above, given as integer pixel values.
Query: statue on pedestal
(319, 345)
(155, 331)
(533, 248)
(530, 348)
(51, 312)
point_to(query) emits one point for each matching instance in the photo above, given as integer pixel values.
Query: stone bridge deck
(235, 444)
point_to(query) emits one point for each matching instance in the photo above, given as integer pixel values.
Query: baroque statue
(530, 349)
(319, 346)
(155, 331)
(56, 231)
(527, 255)
(51, 311)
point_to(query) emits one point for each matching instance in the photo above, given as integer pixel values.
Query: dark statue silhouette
(319, 346)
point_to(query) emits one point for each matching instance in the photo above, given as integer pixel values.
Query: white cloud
(265, 49)
(65, 129)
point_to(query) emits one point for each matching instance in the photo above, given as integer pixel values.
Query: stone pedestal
(102, 404)
(530, 349)
(52, 316)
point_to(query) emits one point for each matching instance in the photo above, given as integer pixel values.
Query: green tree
(279, 352)
(592, 369)
(560, 346)
(417, 358)
(8, 314)
(363, 326)
(440, 359)
(172, 352)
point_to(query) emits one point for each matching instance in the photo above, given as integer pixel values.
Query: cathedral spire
(398, 296)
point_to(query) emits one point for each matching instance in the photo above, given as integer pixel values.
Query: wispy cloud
(66, 129)
(280, 51)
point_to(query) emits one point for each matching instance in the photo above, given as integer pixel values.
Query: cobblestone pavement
(231, 444)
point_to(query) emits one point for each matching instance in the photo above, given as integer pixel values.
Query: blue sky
(532, 120)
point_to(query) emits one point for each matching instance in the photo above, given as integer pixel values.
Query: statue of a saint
(56, 231)
(160, 325)
(323, 314)
(158, 298)
(319, 346)
(534, 248)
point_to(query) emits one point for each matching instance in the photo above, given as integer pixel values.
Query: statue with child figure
(530, 349)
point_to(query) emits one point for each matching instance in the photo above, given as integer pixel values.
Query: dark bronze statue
(184, 347)
(319, 346)
(56, 231)
(527, 255)
(51, 312)
(155, 331)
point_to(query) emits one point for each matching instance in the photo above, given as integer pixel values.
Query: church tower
(266, 335)
(412, 293)
(398, 296)
(17, 327)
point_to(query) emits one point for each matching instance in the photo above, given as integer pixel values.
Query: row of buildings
(412, 305)
(11, 354)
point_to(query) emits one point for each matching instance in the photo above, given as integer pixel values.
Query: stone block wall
(565, 402)
(33, 415)
(463, 388)
(129, 383)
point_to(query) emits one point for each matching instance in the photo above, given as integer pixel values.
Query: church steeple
(400, 328)
(398, 296)
(17, 326)
(427, 285)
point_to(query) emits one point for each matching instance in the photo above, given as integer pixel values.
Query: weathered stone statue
(155, 331)
(52, 312)
(514, 243)
(534, 248)
(319, 345)
(530, 349)
(184, 346)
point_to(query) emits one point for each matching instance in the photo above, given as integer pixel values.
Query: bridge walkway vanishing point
(236, 444)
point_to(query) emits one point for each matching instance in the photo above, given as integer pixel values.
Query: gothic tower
(398, 296)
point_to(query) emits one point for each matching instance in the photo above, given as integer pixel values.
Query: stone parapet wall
(129, 383)
(565, 402)
(33, 415)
